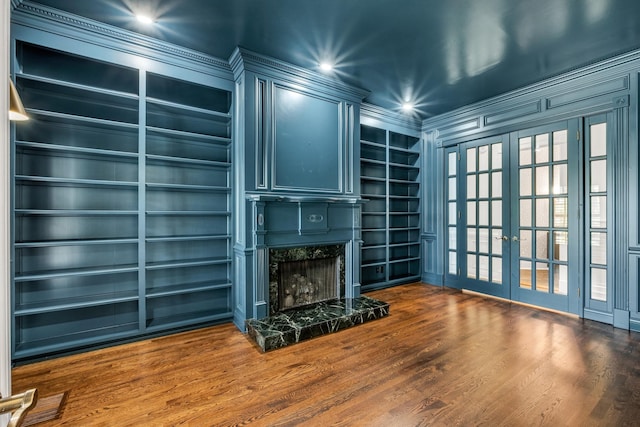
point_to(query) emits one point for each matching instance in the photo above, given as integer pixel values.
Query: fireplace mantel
(311, 213)
(300, 198)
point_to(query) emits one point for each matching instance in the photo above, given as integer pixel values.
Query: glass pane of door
(597, 201)
(451, 163)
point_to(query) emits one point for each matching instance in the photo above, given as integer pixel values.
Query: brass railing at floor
(18, 405)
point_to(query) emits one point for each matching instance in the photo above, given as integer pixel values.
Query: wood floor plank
(440, 358)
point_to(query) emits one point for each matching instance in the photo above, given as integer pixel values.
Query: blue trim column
(619, 125)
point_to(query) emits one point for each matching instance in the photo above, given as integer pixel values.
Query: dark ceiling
(440, 54)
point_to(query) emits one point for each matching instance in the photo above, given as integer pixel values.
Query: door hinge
(578, 292)
(459, 214)
(577, 135)
(459, 272)
(458, 156)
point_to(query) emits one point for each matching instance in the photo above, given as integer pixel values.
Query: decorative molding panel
(262, 126)
(313, 218)
(456, 127)
(307, 142)
(348, 130)
(634, 292)
(593, 90)
(515, 112)
(430, 256)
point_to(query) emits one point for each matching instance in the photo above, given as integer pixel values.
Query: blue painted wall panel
(307, 142)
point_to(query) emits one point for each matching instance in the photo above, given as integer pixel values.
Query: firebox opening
(305, 275)
(307, 282)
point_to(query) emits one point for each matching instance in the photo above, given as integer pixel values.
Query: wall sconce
(16, 109)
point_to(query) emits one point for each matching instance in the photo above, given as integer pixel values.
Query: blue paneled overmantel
(298, 128)
(296, 171)
(608, 88)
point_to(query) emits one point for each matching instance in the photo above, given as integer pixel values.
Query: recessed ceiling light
(407, 107)
(144, 19)
(326, 66)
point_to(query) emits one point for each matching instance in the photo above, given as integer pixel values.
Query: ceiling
(438, 54)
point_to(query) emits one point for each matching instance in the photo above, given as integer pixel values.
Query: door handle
(515, 238)
(505, 238)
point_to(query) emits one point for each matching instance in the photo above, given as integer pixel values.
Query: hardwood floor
(440, 358)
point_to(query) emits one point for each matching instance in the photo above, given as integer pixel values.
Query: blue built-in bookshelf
(122, 192)
(390, 183)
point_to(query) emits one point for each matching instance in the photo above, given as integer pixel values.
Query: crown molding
(373, 113)
(538, 92)
(41, 17)
(242, 60)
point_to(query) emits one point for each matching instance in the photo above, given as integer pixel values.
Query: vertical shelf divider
(142, 203)
(387, 215)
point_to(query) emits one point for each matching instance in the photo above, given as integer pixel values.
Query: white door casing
(5, 307)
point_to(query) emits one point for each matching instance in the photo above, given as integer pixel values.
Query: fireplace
(307, 275)
(301, 275)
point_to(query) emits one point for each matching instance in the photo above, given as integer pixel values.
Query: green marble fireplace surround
(314, 274)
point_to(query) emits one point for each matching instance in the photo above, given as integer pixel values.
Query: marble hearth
(307, 297)
(299, 324)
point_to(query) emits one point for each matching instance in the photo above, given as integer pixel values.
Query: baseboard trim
(434, 279)
(634, 325)
(524, 304)
(598, 316)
